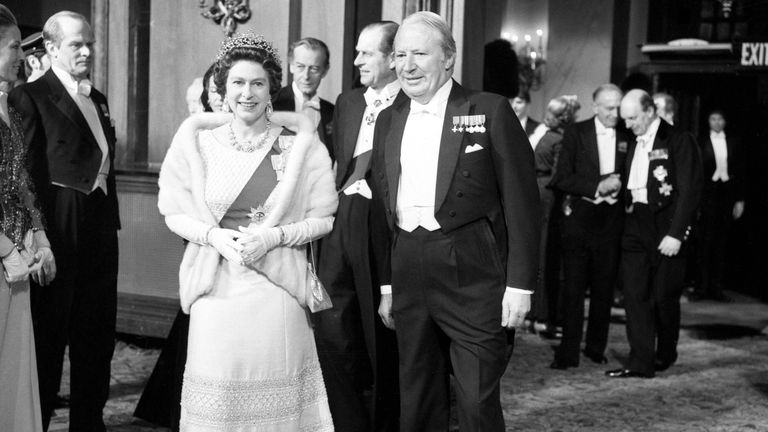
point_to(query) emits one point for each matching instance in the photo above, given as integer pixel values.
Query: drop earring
(268, 112)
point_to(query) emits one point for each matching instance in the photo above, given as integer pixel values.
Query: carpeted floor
(720, 382)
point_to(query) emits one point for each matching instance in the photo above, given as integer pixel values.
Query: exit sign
(752, 54)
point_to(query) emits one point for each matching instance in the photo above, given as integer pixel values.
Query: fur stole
(306, 190)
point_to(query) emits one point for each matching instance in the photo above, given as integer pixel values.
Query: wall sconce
(726, 7)
(226, 13)
(531, 60)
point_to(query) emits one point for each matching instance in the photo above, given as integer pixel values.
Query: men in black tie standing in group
(309, 61)
(722, 203)
(71, 153)
(590, 172)
(663, 190)
(357, 353)
(454, 176)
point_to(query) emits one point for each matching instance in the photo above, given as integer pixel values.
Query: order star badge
(257, 214)
(665, 189)
(660, 173)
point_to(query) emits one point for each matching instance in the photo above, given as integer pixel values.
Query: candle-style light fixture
(227, 13)
(531, 59)
(726, 7)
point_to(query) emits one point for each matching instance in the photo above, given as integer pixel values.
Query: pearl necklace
(248, 146)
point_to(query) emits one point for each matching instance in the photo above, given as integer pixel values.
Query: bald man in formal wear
(662, 193)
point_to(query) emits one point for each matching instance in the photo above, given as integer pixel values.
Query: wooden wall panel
(117, 75)
(182, 46)
(324, 20)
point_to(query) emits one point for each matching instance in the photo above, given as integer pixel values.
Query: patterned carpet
(720, 382)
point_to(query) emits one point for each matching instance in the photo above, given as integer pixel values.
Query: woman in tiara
(248, 196)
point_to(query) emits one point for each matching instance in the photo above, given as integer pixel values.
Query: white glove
(15, 267)
(224, 240)
(303, 232)
(188, 228)
(257, 242)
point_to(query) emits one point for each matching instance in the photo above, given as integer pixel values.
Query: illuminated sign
(753, 54)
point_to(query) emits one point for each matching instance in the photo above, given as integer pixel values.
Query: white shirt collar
(300, 96)
(601, 129)
(66, 79)
(650, 134)
(437, 104)
(385, 94)
(713, 134)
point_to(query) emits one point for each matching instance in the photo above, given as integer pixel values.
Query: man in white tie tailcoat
(453, 176)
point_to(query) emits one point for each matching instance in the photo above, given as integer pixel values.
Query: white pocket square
(473, 148)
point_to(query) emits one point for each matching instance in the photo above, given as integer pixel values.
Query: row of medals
(470, 123)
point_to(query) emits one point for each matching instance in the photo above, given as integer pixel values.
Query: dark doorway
(744, 99)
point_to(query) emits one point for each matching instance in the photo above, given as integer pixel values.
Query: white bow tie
(606, 131)
(314, 104)
(84, 87)
(426, 111)
(644, 141)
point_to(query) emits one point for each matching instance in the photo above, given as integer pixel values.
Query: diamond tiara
(248, 40)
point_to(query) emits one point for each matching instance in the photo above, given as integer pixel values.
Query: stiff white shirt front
(720, 148)
(299, 99)
(606, 147)
(375, 102)
(638, 171)
(419, 154)
(88, 109)
(606, 155)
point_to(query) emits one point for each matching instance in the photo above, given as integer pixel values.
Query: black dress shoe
(596, 358)
(626, 373)
(562, 364)
(660, 366)
(552, 333)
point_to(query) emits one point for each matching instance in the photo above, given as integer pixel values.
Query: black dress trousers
(79, 308)
(653, 284)
(447, 293)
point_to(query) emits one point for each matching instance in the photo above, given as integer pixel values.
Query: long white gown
(252, 362)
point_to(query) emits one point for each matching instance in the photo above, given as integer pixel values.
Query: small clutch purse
(317, 297)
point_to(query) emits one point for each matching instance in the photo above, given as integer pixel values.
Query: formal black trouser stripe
(447, 292)
(79, 308)
(652, 287)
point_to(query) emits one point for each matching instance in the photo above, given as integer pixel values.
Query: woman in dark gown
(24, 252)
(561, 113)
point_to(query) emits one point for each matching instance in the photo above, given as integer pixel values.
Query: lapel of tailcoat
(450, 142)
